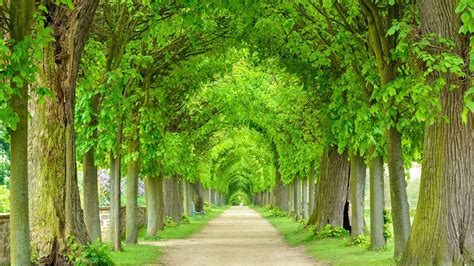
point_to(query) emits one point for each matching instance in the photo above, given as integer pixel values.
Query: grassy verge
(330, 250)
(136, 255)
(147, 254)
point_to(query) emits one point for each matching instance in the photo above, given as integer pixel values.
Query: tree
(55, 212)
(442, 229)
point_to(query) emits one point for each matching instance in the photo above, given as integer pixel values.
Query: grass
(136, 255)
(184, 230)
(330, 250)
(141, 254)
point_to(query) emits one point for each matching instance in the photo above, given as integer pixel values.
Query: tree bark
(398, 192)
(312, 185)
(56, 214)
(151, 187)
(305, 197)
(112, 208)
(90, 182)
(297, 197)
(279, 189)
(377, 238)
(20, 26)
(444, 222)
(332, 189)
(357, 187)
(161, 203)
(91, 196)
(184, 189)
(132, 193)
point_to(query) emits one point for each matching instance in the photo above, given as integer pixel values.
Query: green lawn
(331, 250)
(147, 254)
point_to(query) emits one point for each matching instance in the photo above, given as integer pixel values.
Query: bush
(170, 223)
(276, 212)
(185, 219)
(207, 207)
(4, 199)
(93, 254)
(360, 241)
(328, 231)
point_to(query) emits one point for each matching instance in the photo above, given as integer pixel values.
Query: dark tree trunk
(377, 238)
(443, 229)
(56, 214)
(357, 187)
(20, 26)
(112, 208)
(332, 189)
(297, 198)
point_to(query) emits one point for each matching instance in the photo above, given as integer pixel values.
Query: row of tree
(240, 97)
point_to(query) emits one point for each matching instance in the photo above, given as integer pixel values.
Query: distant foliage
(4, 199)
(239, 197)
(275, 212)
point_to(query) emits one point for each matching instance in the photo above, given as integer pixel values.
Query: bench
(194, 212)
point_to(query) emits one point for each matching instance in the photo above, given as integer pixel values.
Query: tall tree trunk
(279, 189)
(357, 187)
(151, 187)
(184, 189)
(377, 238)
(91, 196)
(305, 197)
(297, 197)
(116, 237)
(398, 192)
(190, 197)
(90, 182)
(332, 189)
(443, 229)
(288, 198)
(132, 192)
(312, 186)
(161, 203)
(112, 207)
(20, 26)
(56, 214)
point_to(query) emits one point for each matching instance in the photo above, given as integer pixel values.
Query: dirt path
(240, 236)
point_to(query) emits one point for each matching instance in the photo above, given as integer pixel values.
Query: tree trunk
(312, 185)
(357, 187)
(305, 198)
(112, 207)
(443, 229)
(151, 187)
(296, 198)
(20, 26)
(161, 203)
(56, 214)
(377, 238)
(132, 192)
(398, 192)
(279, 189)
(90, 182)
(288, 198)
(332, 189)
(167, 197)
(190, 197)
(91, 196)
(184, 189)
